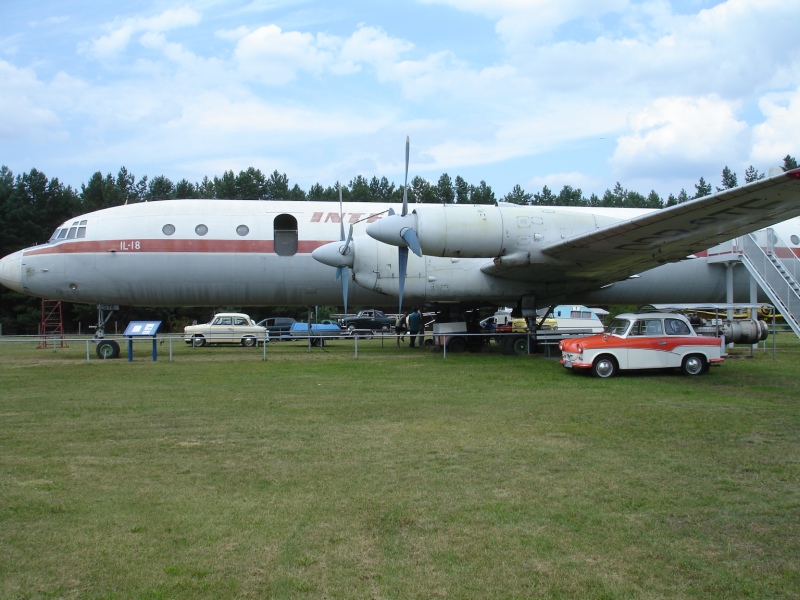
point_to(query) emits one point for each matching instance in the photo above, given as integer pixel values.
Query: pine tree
(752, 174)
(703, 188)
(728, 180)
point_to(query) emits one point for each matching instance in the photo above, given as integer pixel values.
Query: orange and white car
(643, 341)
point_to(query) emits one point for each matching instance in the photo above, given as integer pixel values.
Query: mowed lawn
(397, 475)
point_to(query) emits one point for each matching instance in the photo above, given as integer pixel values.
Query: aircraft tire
(107, 349)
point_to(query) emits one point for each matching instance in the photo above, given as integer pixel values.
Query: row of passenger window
(201, 230)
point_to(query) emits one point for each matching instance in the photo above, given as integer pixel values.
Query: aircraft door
(285, 235)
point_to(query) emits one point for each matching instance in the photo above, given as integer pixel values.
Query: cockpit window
(66, 232)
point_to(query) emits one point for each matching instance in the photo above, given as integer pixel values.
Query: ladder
(51, 328)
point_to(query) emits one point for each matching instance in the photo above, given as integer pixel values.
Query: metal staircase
(777, 270)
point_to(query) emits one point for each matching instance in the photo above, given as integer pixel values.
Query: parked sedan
(643, 341)
(226, 328)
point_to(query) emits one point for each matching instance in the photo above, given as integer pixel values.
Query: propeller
(408, 234)
(343, 270)
(396, 230)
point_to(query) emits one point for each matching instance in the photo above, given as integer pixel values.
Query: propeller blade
(341, 213)
(403, 263)
(410, 237)
(345, 284)
(343, 273)
(349, 239)
(405, 183)
(402, 252)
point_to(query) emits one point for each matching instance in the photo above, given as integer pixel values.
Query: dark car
(368, 320)
(278, 327)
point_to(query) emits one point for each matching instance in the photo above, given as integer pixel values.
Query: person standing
(414, 325)
(401, 327)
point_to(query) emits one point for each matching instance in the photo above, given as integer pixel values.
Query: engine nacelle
(460, 231)
(739, 331)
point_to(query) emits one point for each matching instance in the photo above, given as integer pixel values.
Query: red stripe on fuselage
(178, 245)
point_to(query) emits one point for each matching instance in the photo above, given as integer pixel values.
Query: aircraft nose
(11, 271)
(331, 254)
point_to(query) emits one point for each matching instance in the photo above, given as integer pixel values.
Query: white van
(566, 317)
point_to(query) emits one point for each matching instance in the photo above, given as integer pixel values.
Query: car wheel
(457, 345)
(107, 349)
(248, 342)
(605, 366)
(351, 329)
(198, 341)
(694, 364)
(519, 345)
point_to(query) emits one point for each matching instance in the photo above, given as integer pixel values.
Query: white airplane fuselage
(258, 253)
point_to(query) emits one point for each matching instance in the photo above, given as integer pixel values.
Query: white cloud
(679, 131)
(556, 181)
(522, 23)
(372, 46)
(539, 85)
(24, 106)
(275, 57)
(779, 134)
(108, 46)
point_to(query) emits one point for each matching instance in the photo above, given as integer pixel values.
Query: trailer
(317, 332)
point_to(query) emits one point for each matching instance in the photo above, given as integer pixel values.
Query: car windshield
(618, 327)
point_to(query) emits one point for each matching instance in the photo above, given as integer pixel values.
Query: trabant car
(226, 328)
(643, 341)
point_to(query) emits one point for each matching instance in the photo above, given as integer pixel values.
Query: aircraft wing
(623, 249)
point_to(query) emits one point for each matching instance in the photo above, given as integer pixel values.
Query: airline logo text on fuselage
(333, 217)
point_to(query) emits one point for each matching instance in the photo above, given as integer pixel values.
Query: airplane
(262, 253)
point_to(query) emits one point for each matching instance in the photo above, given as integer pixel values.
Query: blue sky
(653, 94)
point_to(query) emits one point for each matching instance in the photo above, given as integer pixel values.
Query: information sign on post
(142, 329)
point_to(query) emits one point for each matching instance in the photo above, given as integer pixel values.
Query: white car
(643, 341)
(226, 328)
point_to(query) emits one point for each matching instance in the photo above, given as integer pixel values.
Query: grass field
(396, 475)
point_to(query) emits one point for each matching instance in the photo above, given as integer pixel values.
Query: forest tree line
(32, 206)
